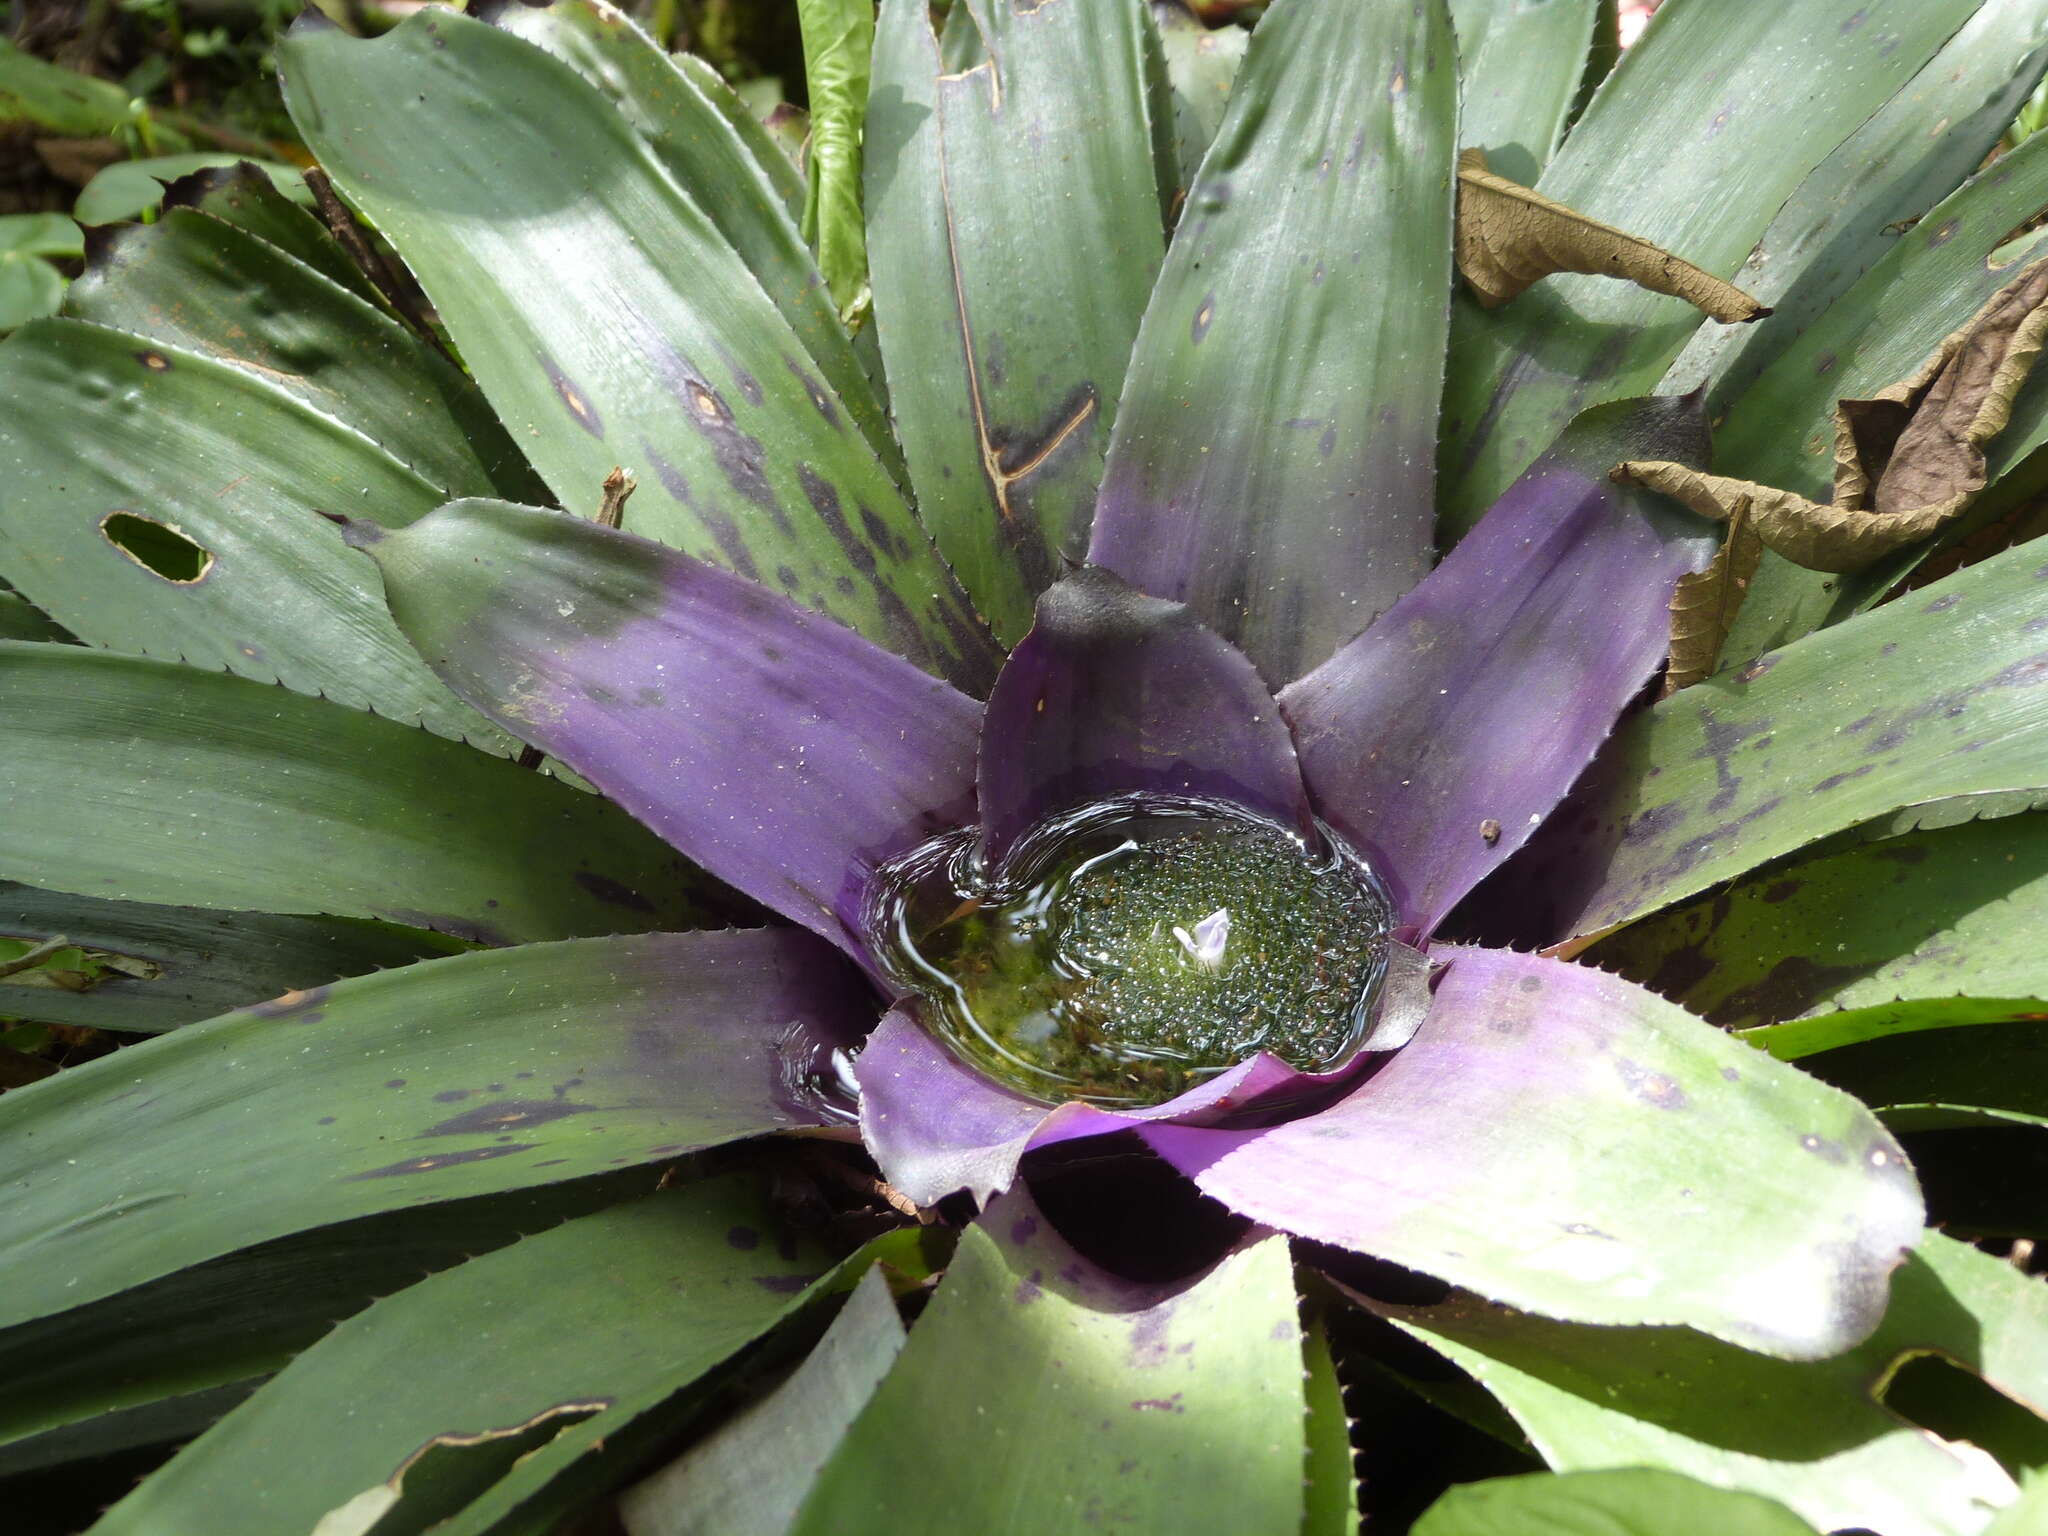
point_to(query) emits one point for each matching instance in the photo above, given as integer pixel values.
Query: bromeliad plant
(1134, 915)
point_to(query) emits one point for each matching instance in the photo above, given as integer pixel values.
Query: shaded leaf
(1811, 1436)
(1509, 237)
(467, 1076)
(1094, 1399)
(29, 286)
(1942, 923)
(1821, 736)
(110, 437)
(1331, 1480)
(1639, 1501)
(38, 94)
(680, 1293)
(1519, 64)
(198, 962)
(1907, 461)
(1289, 527)
(1709, 124)
(1014, 233)
(750, 1475)
(1703, 606)
(1993, 1065)
(145, 781)
(1201, 65)
(129, 188)
(242, 195)
(776, 156)
(663, 355)
(22, 620)
(839, 39)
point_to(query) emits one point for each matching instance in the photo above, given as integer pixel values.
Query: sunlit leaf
(839, 37)
(1520, 63)
(129, 188)
(1638, 1501)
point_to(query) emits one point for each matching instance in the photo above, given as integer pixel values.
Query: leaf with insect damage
(1907, 461)
(1704, 605)
(1509, 237)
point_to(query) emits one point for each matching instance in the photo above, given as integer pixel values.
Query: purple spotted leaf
(1115, 692)
(783, 753)
(1442, 736)
(1564, 1141)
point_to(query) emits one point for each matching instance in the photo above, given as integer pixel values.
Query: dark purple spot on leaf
(512, 1113)
(436, 1160)
(745, 1238)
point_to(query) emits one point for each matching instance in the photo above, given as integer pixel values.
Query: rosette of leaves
(471, 670)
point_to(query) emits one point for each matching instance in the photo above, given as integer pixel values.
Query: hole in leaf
(157, 547)
(1935, 1393)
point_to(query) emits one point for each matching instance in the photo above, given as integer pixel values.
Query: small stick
(34, 957)
(342, 225)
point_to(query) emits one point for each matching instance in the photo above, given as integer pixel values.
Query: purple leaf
(1442, 736)
(783, 753)
(1564, 1141)
(1114, 692)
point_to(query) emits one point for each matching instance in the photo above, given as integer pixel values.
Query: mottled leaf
(1639, 1501)
(201, 285)
(1117, 693)
(718, 154)
(1704, 605)
(782, 752)
(1852, 208)
(1705, 129)
(1270, 465)
(186, 963)
(1925, 921)
(1093, 1400)
(839, 39)
(510, 170)
(750, 1475)
(1519, 65)
(1811, 1436)
(680, 1292)
(1014, 232)
(145, 781)
(1462, 1157)
(472, 1075)
(110, 439)
(1510, 237)
(1821, 736)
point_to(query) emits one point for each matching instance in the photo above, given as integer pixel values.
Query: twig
(618, 485)
(342, 225)
(34, 957)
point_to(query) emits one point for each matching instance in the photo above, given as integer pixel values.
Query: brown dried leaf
(1703, 606)
(1508, 237)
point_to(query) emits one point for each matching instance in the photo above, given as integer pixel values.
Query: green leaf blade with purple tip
(1271, 463)
(782, 752)
(474, 1075)
(1440, 738)
(1560, 1140)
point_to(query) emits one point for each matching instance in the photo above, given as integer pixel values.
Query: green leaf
(196, 283)
(1849, 213)
(585, 1326)
(1994, 1065)
(1812, 1436)
(160, 1351)
(1927, 284)
(717, 153)
(22, 620)
(40, 234)
(130, 188)
(1700, 135)
(1829, 732)
(242, 195)
(1201, 65)
(2028, 1516)
(1519, 65)
(30, 287)
(1091, 1401)
(145, 781)
(839, 38)
(1313, 257)
(472, 1075)
(206, 962)
(109, 436)
(52, 99)
(1330, 1495)
(1639, 1501)
(1874, 927)
(1014, 232)
(775, 155)
(749, 1477)
(610, 323)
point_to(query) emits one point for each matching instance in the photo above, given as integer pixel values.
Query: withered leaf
(1703, 606)
(1907, 461)
(1508, 237)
